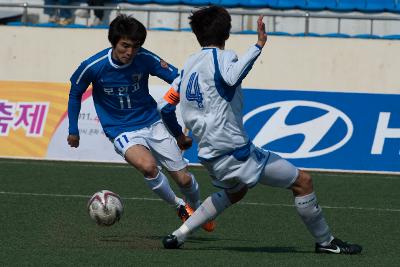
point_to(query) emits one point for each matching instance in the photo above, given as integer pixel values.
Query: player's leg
(142, 159)
(278, 172)
(190, 189)
(307, 207)
(133, 148)
(188, 185)
(212, 207)
(98, 12)
(164, 148)
(311, 214)
(52, 12)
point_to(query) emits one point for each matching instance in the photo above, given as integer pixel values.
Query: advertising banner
(29, 114)
(323, 130)
(318, 130)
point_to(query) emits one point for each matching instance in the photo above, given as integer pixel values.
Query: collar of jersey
(115, 65)
(208, 48)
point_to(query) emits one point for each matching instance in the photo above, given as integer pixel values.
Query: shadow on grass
(257, 249)
(154, 242)
(115, 238)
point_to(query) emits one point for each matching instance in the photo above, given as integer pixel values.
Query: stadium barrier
(307, 21)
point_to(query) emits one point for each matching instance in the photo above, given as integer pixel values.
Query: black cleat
(171, 242)
(337, 246)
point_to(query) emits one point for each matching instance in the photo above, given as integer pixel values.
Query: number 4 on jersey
(193, 92)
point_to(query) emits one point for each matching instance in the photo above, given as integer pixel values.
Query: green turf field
(44, 221)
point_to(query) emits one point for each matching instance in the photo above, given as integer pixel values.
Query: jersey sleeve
(161, 69)
(233, 70)
(167, 108)
(80, 80)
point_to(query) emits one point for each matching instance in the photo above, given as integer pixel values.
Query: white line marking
(368, 175)
(324, 207)
(70, 196)
(157, 199)
(86, 164)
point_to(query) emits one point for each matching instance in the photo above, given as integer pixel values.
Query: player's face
(125, 50)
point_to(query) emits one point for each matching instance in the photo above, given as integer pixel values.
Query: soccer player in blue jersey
(128, 113)
(211, 105)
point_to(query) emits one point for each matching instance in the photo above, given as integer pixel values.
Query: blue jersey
(120, 92)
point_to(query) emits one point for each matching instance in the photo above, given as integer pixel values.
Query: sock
(208, 210)
(161, 187)
(192, 193)
(311, 214)
(328, 242)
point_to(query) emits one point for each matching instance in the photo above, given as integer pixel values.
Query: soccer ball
(105, 208)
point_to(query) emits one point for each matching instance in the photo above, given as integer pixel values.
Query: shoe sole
(209, 226)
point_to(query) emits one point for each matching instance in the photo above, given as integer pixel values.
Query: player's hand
(184, 142)
(73, 140)
(262, 35)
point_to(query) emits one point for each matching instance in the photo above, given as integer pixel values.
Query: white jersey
(211, 99)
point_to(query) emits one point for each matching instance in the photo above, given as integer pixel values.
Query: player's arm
(234, 70)
(167, 108)
(261, 34)
(167, 105)
(80, 81)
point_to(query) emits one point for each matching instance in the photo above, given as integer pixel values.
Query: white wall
(326, 64)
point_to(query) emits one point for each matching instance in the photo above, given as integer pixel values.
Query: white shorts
(262, 166)
(158, 140)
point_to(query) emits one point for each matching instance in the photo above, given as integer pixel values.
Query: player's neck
(222, 47)
(116, 61)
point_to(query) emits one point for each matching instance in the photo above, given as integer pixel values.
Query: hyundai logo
(313, 130)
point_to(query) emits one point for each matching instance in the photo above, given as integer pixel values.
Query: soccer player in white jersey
(128, 113)
(211, 100)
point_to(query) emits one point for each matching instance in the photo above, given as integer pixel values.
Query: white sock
(192, 193)
(161, 187)
(208, 210)
(311, 214)
(328, 242)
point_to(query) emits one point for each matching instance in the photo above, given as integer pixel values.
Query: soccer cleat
(184, 212)
(337, 246)
(171, 242)
(209, 226)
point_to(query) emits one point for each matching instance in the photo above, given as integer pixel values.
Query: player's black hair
(124, 26)
(211, 25)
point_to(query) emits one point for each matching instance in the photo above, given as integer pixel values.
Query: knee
(184, 179)
(305, 180)
(303, 184)
(148, 169)
(237, 196)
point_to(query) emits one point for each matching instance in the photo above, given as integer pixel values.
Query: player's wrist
(260, 44)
